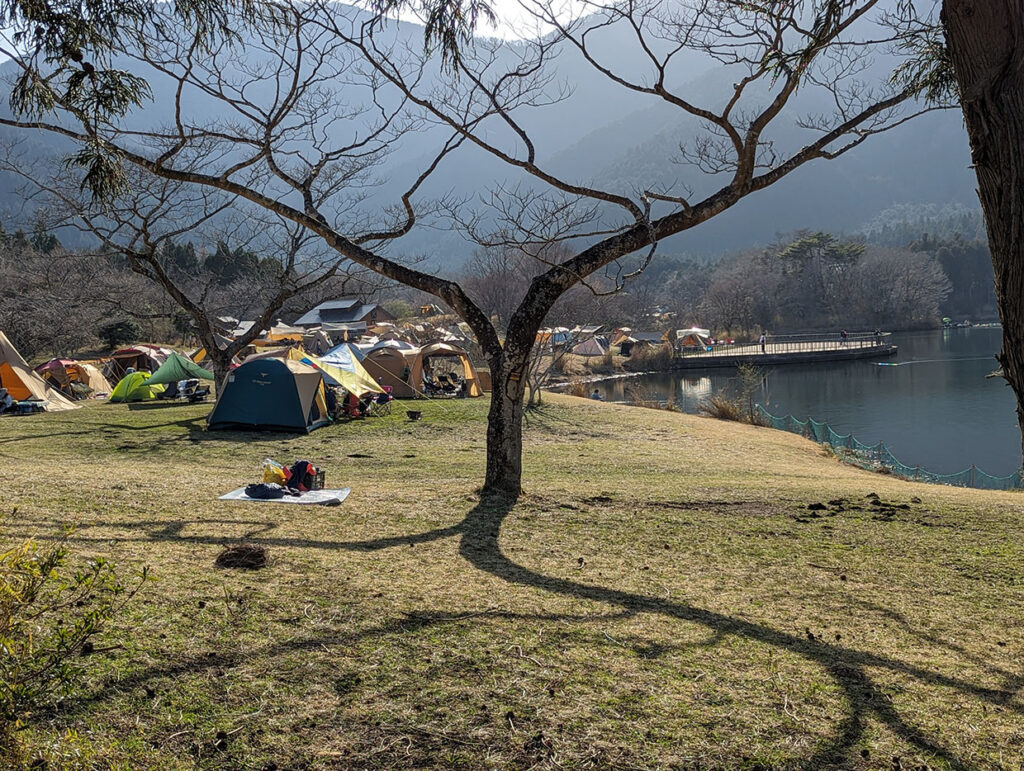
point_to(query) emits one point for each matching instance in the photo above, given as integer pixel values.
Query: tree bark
(986, 47)
(505, 427)
(221, 369)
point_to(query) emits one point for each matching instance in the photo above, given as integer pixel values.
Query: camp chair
(381, 405)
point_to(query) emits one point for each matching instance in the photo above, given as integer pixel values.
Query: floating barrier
(877, 456)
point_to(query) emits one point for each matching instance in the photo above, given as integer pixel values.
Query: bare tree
(148, 223)
(287, 138)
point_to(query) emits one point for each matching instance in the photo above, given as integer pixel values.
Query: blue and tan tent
(271, 394)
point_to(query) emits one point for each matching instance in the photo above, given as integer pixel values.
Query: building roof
(343, 311)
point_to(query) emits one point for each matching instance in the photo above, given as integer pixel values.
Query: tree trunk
(505, 426)
(221, 368)
(986, 47)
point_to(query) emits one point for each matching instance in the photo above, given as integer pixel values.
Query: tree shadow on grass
(479, 545)
(481, 548)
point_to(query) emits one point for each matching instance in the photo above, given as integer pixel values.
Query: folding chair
(381, 405)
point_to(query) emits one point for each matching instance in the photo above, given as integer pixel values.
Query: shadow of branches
(479, 545)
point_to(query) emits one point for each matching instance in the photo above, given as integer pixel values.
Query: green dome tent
(178, 367)
(135, 387)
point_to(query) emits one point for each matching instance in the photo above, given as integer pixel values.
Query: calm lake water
(934, 409)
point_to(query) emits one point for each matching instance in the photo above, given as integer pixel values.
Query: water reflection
(931, 405)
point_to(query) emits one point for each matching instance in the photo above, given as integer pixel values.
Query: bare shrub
(50, 609)
(651, 359)
(577, 387)
(720, 406)
(569, 365)
(640, 396)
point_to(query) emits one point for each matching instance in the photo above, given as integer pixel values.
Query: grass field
(660, 596)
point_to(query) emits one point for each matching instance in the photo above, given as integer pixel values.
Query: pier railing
(798, 343)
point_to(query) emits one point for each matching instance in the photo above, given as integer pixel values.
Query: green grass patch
(660, 596)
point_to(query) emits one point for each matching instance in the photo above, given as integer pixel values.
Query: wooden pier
(790, 349)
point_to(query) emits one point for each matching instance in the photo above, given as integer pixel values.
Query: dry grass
(661, 596)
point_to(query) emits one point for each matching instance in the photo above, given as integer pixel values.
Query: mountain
(618, 140)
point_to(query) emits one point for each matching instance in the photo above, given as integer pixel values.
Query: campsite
(705, 615)
(304, 309)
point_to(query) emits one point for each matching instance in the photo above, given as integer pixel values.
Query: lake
(931, 404)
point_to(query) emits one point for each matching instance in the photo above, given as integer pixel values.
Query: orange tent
(25, 385)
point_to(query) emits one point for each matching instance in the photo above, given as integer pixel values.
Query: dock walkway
(790, 349)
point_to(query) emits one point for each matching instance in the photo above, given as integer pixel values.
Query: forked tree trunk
(221, 369)
(986, 46)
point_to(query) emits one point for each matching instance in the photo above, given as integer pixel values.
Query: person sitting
(331, 397)
(364, 404)
(6, 401)
(352, 407)
(596, 396)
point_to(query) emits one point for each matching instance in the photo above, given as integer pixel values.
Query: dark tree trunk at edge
(986, 46)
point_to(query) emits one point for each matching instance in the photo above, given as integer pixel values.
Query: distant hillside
(617, 140)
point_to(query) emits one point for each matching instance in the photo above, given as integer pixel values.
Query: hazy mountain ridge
(617, 140)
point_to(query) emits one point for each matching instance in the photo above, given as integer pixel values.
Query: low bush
(639, 396)
(650, 359)
(577, 387)
(49, 612)
(720, 406)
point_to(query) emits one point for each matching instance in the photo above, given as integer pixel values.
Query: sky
(514, 21)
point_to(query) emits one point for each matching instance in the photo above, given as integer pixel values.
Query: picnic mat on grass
(310, 498)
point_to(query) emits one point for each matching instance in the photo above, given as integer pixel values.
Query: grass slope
(660, 597)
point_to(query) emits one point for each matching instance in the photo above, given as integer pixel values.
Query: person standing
(764, 341)
(842, 337)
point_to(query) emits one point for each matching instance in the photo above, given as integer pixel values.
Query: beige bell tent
(391, 368)
(69, 376)
(443, 351)
(25, 385)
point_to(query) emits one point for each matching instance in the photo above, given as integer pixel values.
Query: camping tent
(356, 379)
(201, 357)
(391, 367)
(278, 334)
(334, 375)
(139, 357)
(25, 385)
(271, 394)
(135, 387)
(178, 367)
(694, 337)
(595, 346)
(443, 351)
(68, 376)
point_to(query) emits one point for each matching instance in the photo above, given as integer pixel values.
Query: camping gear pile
(301, 483)
(300, 477)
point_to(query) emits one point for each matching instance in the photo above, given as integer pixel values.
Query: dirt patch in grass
(651, 601)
